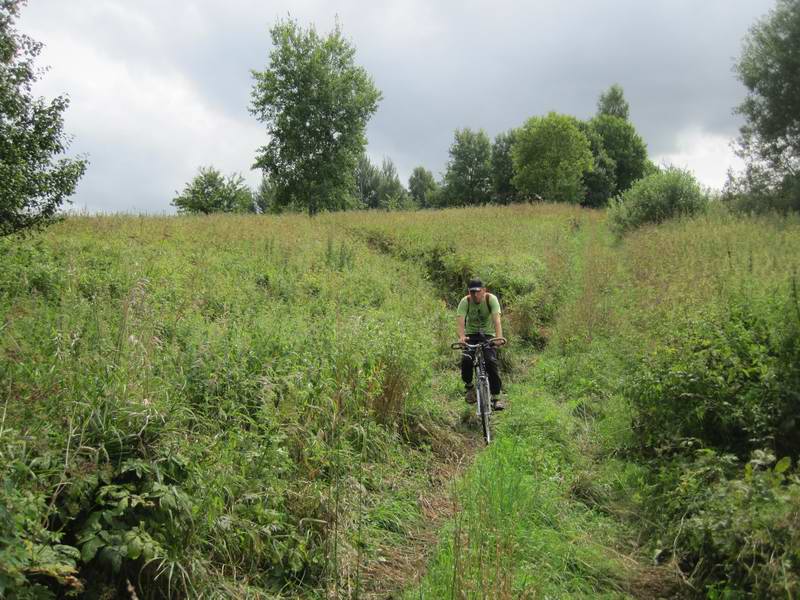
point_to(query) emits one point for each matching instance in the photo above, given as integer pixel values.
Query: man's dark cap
(474, 285)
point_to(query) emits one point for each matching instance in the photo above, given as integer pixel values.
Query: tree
(624, 146)
(391, 193)
(210, 192)
(468, 177)
(770, 138)
(367, 181)
(423, 187)
(34, 183)
(550, 157)
(379, 187)
(315, 103)
(600, 181)
(612, 102)
(265, 197)
(503, 167)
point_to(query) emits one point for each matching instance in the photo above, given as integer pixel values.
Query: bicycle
(484, 403)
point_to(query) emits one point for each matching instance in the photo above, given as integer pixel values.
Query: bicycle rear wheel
(484, 398)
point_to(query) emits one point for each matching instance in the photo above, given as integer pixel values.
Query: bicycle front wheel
(485, 410)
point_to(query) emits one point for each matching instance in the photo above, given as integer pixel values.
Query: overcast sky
(159, 89)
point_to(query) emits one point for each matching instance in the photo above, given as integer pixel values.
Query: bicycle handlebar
(495, 341)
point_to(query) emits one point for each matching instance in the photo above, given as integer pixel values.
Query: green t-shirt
(479, 316)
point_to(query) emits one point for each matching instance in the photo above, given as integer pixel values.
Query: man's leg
(495, 383)
(466, 376)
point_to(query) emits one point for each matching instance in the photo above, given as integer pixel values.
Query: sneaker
(497, 405)
(472, 396)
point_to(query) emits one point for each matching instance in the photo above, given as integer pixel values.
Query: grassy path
(527, 522)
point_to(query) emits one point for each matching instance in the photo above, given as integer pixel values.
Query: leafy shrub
(657, 198)
(757, 190)
(728, 380)
(28, 267)
(737, 530)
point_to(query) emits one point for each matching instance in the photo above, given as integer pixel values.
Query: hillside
(250, 406)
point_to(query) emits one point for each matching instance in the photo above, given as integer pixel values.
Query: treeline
(554, 157)
(315, 103)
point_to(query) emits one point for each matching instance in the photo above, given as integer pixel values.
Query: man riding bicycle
(478, 313)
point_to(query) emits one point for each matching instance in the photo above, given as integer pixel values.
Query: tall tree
(769, 67)
(34, 183)
(368, 178)
(265, 197)
(625, 147)
(612, 102)
(600, 181)
(422, 187)
(468, 178)
(503, 167)
(315, 103)
(391, 193)
(550, 157)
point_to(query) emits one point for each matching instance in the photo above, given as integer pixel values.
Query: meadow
(267, 407)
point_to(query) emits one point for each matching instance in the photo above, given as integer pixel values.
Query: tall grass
(185, 399)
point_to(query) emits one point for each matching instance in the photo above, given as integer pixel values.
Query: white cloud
(127, 111)
(707, 155)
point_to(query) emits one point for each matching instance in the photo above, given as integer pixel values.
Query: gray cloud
(159, 89)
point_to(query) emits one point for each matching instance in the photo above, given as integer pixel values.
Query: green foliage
(761, 189)
(391, 193)
(726, 380)
(30, 554)
(736, 529)
(34, 183)
(768, 69)
(624, 146)
(209, 192)
(612, 102)
(550, 156)
(503, 190)
(315, 103)
(265, 198)
(186, 419)
(600, 181)
(770, 138)
(423, 187)
(468, 176)
(380, 187)
(657, 198)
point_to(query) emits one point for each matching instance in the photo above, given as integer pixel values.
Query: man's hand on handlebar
(495, 341)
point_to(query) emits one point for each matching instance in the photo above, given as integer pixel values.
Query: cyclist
(477, 314)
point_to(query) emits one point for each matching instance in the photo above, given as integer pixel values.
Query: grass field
(267, 407)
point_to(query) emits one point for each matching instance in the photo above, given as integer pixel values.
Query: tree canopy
(769, 67)
(503, 167)
(612, 102)
(624, 146)
(209, 192)
(423, 187)
(34, 182)
(315, 103)
(468, 177)
(550, 156)
(600, 181)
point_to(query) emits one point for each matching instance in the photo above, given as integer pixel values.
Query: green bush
(735, 528)
(727, 378)
(657, 198)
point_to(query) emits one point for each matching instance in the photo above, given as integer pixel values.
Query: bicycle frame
(484, 403)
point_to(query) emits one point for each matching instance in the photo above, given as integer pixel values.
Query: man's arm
(498, 327)
(460, 324)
